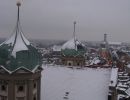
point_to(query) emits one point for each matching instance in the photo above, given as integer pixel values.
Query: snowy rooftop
(17, 52)
(56, 48)
(128, 65)
(128, 91)
(95, 61)
(60, 83)
(17, 41)
(114, 43)
(114, 77)
(71, 44)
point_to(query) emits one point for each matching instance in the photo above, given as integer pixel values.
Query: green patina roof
(17, 51)
(25, 58)
(73, 52)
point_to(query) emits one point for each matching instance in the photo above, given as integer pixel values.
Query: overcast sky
(53, 19)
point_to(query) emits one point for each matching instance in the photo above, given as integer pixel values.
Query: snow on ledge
(114, 76)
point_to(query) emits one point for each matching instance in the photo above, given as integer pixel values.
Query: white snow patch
(114, 43)
(128, 91)
(59, 83)
(128, 65)
(95, 61)
(19, 45)
(25, 40)
(71, 44)
(114, 77)
(10, 40)
(56, 48)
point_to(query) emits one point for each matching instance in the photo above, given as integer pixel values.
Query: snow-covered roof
(115, 54)
(114, 77)
(95, 61)
(20, 44)
(60, 83)
(18, 41)
(114, 43)
(56, 48)
(17, 51)
(72, 44)
(128, 65)
(128, 91)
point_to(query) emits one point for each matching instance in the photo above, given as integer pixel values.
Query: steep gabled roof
(73, 47)
(17, 51)
(72, 44)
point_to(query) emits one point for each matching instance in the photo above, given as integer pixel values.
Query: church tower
(73, 52)
(20, 67)
(104, 51)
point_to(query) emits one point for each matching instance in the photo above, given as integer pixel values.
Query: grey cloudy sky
(53, 19)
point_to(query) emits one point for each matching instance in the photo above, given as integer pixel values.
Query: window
(20, 98)
(20, 88)
(34, 85)
(109, 97)
(3, 98)
(34, 98)
(3, 87)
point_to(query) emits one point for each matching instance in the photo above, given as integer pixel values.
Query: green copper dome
(17, 52)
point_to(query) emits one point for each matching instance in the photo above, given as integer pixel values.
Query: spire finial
(74, 33)
(74, 26)
(18, 3)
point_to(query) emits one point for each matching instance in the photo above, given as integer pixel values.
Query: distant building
(112, 85)
(104, 51)
(20, 67)
(73, 53)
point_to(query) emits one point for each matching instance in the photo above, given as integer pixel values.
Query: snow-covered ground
(60, 83)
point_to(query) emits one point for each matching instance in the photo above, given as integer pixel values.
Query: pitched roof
(72, 44)
(73, 47)
(17, 51)
(72, 52)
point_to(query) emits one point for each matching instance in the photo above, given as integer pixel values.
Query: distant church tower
(104, 51)
(73, 52)
(20, 67)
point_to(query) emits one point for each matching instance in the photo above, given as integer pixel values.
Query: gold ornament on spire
(18, 3)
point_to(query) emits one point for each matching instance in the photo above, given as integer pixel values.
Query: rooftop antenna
(74, 34)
